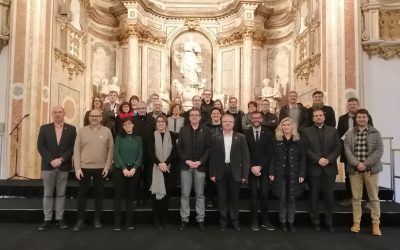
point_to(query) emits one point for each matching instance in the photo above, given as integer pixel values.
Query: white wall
(4, 79)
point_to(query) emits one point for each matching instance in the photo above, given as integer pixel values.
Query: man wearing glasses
(93, 153)
(193, 149)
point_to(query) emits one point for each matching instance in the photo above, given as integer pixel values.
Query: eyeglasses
(94, 116)
(194, 115)
(128, 124)
(161, 122)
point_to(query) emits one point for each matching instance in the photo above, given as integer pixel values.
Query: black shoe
(268, 226)
(117, 226)
(182, 227)
(330, 228)
(317, 227)
(345, 203)
(254, 226)
(201, 226)
(236, 228)
(44, 226)
(97, 224)
(283, 226)
(222, 228)
(79, 225)
(61, 224)
(291, 227)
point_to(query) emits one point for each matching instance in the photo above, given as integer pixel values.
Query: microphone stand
(16, 175)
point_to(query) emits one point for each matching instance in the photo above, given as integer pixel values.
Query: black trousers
(124, 188)
(259, 186)
(160, 210)
(228, 197)
(326, 185)
(84, 183)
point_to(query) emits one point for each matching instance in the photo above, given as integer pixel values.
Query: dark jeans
(84, 184)
(258, 196)
(124, 188)
(325, 184)
(228, 197)
(287, 203)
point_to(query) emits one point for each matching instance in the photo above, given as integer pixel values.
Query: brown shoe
(376, 231)
(355, 228)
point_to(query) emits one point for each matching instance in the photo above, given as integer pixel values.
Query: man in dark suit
(112, 108)
(296, 111)
(318, 103)
(323, 148)
(346, 122)
(193, 150)
(55, 145)
(260, 142)
(229, 167)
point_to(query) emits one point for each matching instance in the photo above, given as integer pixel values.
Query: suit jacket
(330, 149)
(49, 150)
(111, 123)
(343, 127)
(239, 157)
(303, 116)
(184, 146)
(261, 151)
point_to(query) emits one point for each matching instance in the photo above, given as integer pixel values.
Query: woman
(215, 124)
(176, 120)
(246, 119)
(97, 104)
(128, 155)
(162, 152)
(218, 104)
(133, 101)
(287, 170)
(125, 111)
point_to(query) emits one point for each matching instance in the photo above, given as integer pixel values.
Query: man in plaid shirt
(364, 149)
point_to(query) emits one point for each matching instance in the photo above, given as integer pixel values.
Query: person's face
(207, 96)
(177, 110)
(58, 114)
(128, 127)
(218, 105)
(216, 115)
(161, 124)
(196, 102)
(134, 103)
(194, 117)
(157, 106)
(287, 127)
(154, 98)
(178, 101)
(265, 106)
(317, 99)
(94, 117)
(362, 120)
(97, 103)
(228, 123)
(252, 108)
(256, 120)
(112, 97)
(352, 107)
(233, 103)
(125, 109)
(318, 117)
(292, 98)
(141, 109)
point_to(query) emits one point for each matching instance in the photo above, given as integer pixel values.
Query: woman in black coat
(288, 170)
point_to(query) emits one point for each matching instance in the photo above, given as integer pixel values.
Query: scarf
(163, 149)
(125, 115)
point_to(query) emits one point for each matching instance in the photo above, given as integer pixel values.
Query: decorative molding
(304, 69)
(244, 32)
(389, 24)
(144, 35)
(384, 51)
(4, 23)
(192, 24)
(73, 64)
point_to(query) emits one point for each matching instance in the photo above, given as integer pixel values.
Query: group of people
(213, 148)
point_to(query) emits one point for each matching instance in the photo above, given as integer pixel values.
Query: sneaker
(44, 226)
(345, 203)
(201, 226)
(61, 224)
(182, 227)
(291, 228)
(79, 225)
(97, 224)
(268, 226)
(254, 226)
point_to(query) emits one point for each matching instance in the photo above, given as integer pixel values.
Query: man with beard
(318, 104)
(236, 113)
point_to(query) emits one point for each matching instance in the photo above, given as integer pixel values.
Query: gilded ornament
(73, 64)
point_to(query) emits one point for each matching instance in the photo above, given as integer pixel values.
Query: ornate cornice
(73, 64)
(304, 69)
(244, 32)
(4, 23)
(192, 23)
(128, 30)
(386, 52)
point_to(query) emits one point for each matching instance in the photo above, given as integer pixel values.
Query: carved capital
(73, 64)
(389, 24)
(129, 30)
(386, 52)
(304, 69)
(192, 24)
(245, 32)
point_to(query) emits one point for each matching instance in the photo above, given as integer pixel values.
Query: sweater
(128, 151)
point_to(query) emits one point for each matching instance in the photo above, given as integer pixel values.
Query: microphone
(26, 116)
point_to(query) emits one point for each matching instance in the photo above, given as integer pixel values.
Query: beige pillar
(246, 92)
(134, 86)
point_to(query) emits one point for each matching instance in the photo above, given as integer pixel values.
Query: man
(345, 123)
(93, 153)
(260, 142)
(364, 149)
(193, 149)
(55, 145)
(196, 102)
(318, 103)
(296, 111)
(112, 109)
(144, 125)
(207, 103)
(236, 113)
(323, 148)
(269, 120)
(157, 109)
(154, 97)
(229, 168)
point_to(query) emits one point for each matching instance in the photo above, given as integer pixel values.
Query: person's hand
(132, 172)
(301, 179)
(125, 172)
(272, 178)
(105, 172)
(196, 164)
(323, 162)
(244, 180)
(56, 163)
(189, 163)
(256, 170)
(78, 174)
(361, 166)
(212, 178)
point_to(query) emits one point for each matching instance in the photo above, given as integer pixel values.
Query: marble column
(134, 86)
(246, 92)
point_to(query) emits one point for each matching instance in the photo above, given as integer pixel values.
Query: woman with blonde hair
(288, 170)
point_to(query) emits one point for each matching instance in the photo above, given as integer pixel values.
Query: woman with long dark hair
(97, 104)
